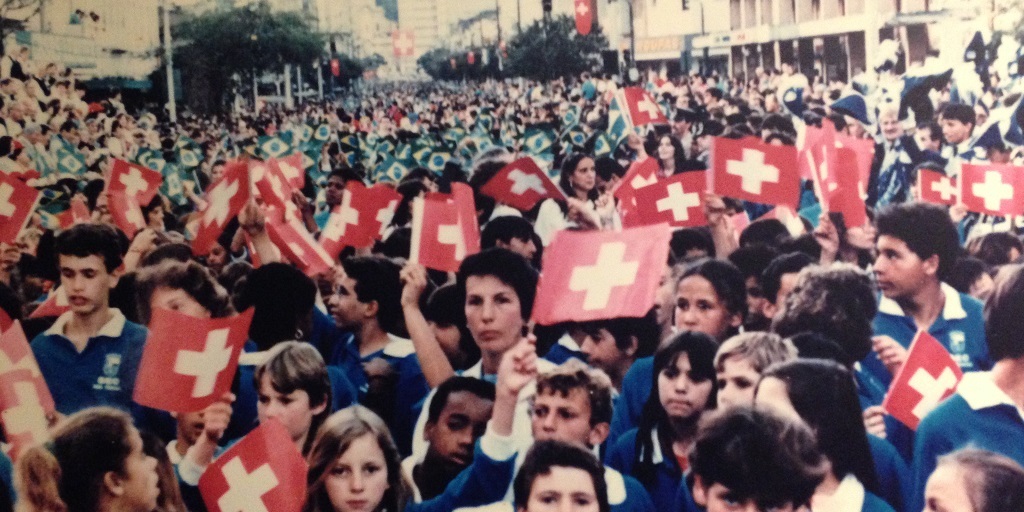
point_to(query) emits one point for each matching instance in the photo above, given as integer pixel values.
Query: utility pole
(497, 17)
(172, 106)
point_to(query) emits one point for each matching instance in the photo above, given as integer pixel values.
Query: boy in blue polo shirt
(917, 246)
(986, 412)
(91, 354)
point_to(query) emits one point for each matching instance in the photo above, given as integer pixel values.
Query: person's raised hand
(252, 219)
(518, 366)
(874, 421)
(414, 281)
(890, 352)
(216, 417)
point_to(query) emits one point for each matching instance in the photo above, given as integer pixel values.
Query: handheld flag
(753, 171)
(135, 181)
(927, 377)
(444, 229)
(17, 201)
(225, 199)
(521, 184)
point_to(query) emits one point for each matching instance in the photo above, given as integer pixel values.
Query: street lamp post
(172, 105)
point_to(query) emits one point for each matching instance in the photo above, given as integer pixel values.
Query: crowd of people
(756, 381)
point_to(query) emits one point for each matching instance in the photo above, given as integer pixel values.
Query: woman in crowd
(584, 207)
(671, 156)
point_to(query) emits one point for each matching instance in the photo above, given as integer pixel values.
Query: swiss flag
(383, 201)
(16, 356)
(189, 362)
(616, 276)
(403, 43)
(264, 471)
(23, 410)
(444, 229)
(584, 16)
(77, 214)
(126, 212)
(677, 201)
(361, 218)
(56, 304)
(937, 188)
(17, 202)
(928, 377)
(863, 150)
(225, 199)
(842, 189)
(135, 181)
(639, 175)
(642, 108)
(751, 170)
(291, 168)
(992, 189)
(521, 184)
(299, 246)
(274, 187)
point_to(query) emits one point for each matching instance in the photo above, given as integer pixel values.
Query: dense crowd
(756, 381)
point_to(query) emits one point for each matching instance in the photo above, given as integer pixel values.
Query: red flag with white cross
(16, 356)
(584, 16)
(751, 170)
(444, 229)
(936, 188)
(928, 376)
(639, 175)
(188, 363)
(521, 185)
(642, 108)
(992, 189)
(677, 201)
(135, 181)
(126, 212)
(291, 168)
(56, 304)
(299, 246)
(275, 189)
(403, 43)
(362, 217)
(262, 472)
(17, 202)
(616, 275)
(382, 201)
(225, 199)
(24, 411)
(77, 214)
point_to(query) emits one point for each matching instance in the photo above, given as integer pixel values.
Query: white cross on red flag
(291, 168)
(639, 175)
(274, 187)
(992, 189)
(362, 217)
(592, 275)
(225, 199)
(76, 214)
(126, 213)
(24, 412)
(403, 43)
(188, 363)
(936, 188)
(444, 229)
(135, 181)
(642, 108)
(751, 170)
(928, 376)
(16, 355)
(521, 185)
(584, 16)
(17, 202)
(56, 304)
(298, 245)
(261, 473)
(677, 201)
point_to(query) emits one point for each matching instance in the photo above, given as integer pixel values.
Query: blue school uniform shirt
(667, 474)
(960, 328)
(410, 390)
(102, 374)
(629, 404)
(564, 350)
(894, 484)
(979, 415)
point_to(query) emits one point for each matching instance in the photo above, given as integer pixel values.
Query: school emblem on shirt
(957, 342)
(109, 381)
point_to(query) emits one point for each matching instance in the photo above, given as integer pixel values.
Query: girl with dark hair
(823, 395)
(95, 463)
(671, 156)
(584, 208)
(683, 387)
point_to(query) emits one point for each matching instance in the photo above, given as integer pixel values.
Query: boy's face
(718, 498)
(900, 271)
(87, 283)
(736, 383)
(461, 423)
(603, 353)
(954, 131)
(566, 418)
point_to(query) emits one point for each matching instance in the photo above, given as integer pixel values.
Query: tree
(437, 64)
(14, 14)
(244, 42)
(549, 50)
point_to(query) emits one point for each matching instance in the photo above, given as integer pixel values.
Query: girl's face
(139, 480)
(493, 313)
(584, 178)
(155, 218)
(666, 151)
(359, 478)
(293, 410)
(562, 489)
(946, 491)
(681, 395)
(699, 308)
(175, 299)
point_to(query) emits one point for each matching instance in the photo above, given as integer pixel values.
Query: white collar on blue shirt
(953, 309)
(980, 392)
(111, 329)
(398, 346)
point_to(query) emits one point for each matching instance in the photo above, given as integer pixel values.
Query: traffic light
(546, 4)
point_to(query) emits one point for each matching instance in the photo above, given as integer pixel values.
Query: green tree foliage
(552, 50)
(217, 45)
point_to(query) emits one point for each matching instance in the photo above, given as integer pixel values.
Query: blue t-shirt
(101, 374)
(662, 490)
(629, 404)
